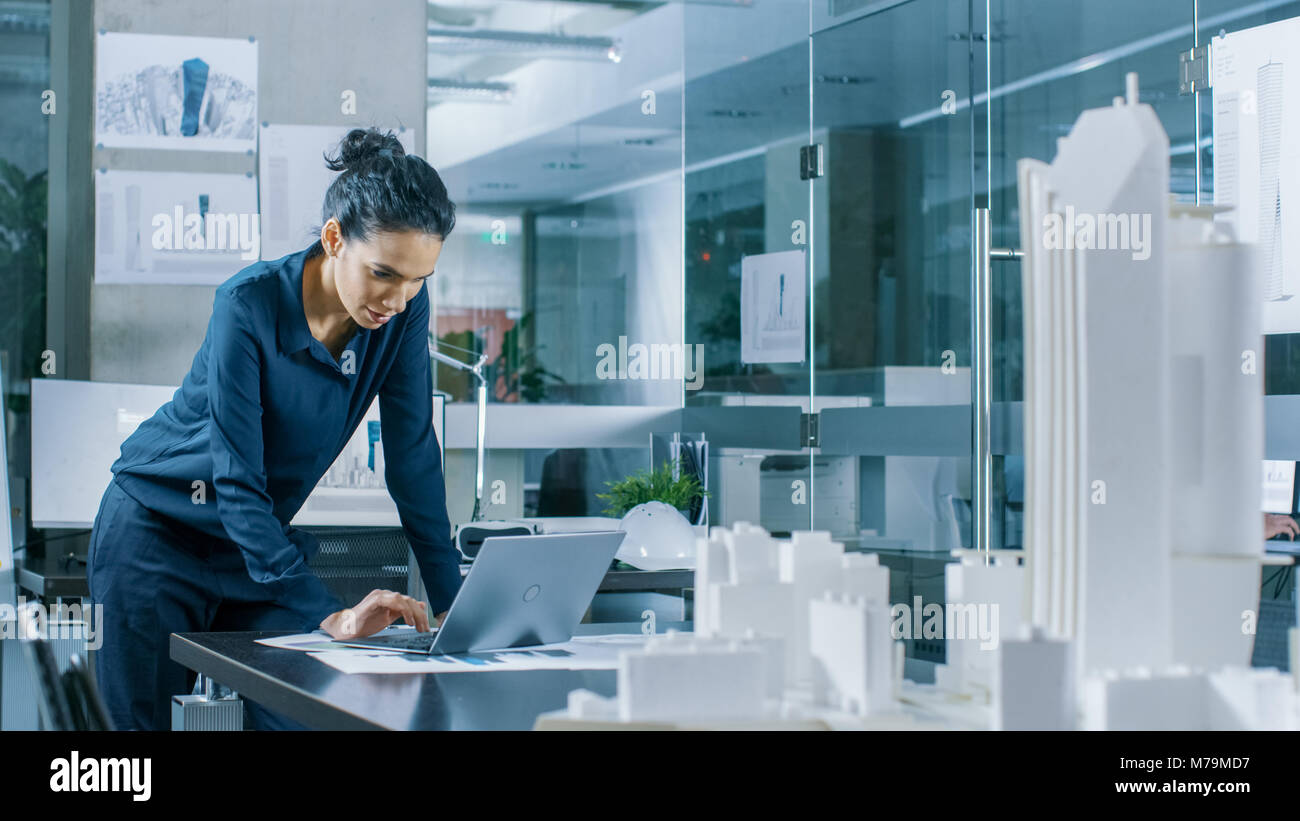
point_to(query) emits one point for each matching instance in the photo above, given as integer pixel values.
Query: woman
(192, 533)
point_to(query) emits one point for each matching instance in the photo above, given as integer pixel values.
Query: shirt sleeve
(238, 470)
(412, 464)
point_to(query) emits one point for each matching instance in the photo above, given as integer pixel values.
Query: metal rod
(981, 384)
(481, 434)
(482, 439)
(1196, 96)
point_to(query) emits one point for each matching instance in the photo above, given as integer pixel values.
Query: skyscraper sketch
(1269, 101)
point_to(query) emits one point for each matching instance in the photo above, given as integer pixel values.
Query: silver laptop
(521, 591)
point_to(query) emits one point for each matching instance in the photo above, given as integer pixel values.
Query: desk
(54, 576)
(65, 576)
(304, 689)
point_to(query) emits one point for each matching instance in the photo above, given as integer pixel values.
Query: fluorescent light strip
(460, 90)
(1092, 61)
(1189, 147)
(496, 41)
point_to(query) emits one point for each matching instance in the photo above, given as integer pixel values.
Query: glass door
(1046, 64)
(891, 87)
(749, 239)
(891, 93)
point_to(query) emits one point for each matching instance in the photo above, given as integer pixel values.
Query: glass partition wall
(557, 129)
(747, 120)
(791, 197)
(891, 276)
(1046, 63)
(1038, 82)
(835, 137)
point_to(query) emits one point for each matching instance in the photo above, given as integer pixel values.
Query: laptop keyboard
(412, 641)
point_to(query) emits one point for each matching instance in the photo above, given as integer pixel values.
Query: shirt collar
(291, 325)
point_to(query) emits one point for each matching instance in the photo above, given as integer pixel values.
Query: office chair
(352, 561)
(66, 702)
(564, 483)
(87, 708)
(55, 711)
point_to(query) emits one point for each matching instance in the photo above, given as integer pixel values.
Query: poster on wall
(292, 179)
(773, 307)
(1256, 78)
(172, 92)
(174, 228)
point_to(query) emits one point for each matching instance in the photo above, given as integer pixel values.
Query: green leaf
(652, 486)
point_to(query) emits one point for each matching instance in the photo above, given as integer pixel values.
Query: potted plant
(654, 486)
(656, 510)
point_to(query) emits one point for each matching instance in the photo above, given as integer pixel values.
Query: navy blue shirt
(264, 412)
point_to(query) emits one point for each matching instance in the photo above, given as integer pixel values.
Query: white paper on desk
(302, 641)
(579, 653)
(320, 641)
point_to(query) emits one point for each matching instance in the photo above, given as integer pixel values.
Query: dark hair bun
(363, 146)
(382, 188)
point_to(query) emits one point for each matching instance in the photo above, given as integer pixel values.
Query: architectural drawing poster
(172, 92)
(1256, 83)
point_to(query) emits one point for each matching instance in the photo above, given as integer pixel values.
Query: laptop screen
(1279, 487)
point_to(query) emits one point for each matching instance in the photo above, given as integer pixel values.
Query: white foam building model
(1143, 433)
(748, 584)
(770, 615)
(1097, 468)
(851, 650)
(684, 678)
(1183, 698)
(1034, 683)
(739, 592)
(984, 606)
(681, 679)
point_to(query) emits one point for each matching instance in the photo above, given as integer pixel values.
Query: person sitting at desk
(193, 531)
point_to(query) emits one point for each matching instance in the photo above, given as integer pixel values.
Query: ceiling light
(481, 41)
(442, 88)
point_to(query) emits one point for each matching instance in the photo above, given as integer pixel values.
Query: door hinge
(1194, 70)
(811, 161)
(808, 430)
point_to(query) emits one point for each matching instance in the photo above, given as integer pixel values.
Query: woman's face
(376, 278)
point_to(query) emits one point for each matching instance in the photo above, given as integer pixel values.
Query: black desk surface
(315, 694)
(54, 575)
(65, 576)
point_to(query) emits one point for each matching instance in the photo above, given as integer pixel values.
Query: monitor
(1279, 487)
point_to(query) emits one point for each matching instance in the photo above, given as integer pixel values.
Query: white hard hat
(658, 538)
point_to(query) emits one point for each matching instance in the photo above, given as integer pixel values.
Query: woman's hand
(1276, 523)
(376, 611)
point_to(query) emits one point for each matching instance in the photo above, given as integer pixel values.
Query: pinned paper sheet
(175, 92)
(170, 228)
(292, 180)
(773, 307)
(1257, 156)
